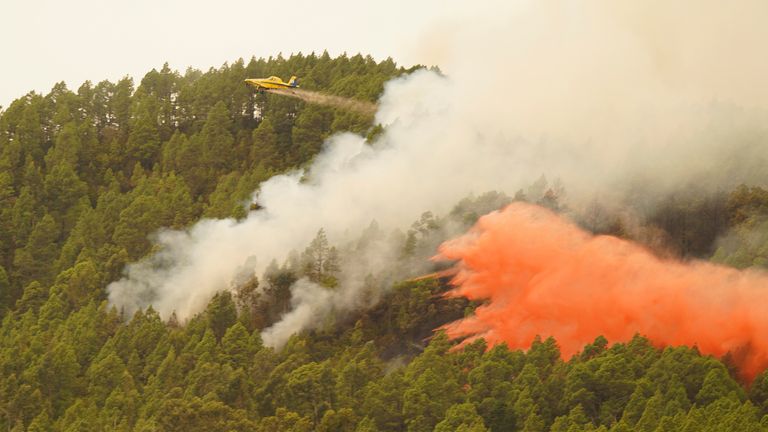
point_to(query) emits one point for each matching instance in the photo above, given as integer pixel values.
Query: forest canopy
(87, 176)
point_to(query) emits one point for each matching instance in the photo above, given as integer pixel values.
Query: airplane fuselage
(272, 82)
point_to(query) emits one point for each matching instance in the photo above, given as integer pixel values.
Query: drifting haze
(600, 94)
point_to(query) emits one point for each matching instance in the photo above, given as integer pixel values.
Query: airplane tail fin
(294, 82)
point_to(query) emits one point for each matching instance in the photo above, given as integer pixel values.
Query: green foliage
(461, 417)
(33, 262)
(87, 177)
(321, 261)
(92, 174)
(221, 313)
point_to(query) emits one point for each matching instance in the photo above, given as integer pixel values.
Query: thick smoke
(544, 276)
(602, 94)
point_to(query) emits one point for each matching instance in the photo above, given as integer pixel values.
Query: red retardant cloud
(542, 275)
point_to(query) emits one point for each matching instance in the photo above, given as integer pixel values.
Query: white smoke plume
(310, 302)
(599, 93)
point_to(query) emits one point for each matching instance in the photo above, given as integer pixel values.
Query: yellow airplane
(272, 82)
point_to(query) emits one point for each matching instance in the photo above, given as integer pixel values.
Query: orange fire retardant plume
(542, 275)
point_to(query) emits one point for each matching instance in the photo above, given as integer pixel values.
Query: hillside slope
(87, 176)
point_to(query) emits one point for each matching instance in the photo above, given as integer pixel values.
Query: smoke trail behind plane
(313, 97)
(544, 276)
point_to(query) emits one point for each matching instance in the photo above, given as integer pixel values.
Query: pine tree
(236, 346)
(217, 139)
(35, 259)
(718, 384)
(6, 295)
(321, 261)
(461, 417)
(221, 313)
(265, 149)
(143, 143)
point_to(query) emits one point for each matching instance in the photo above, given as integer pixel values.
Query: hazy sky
(46, 41)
